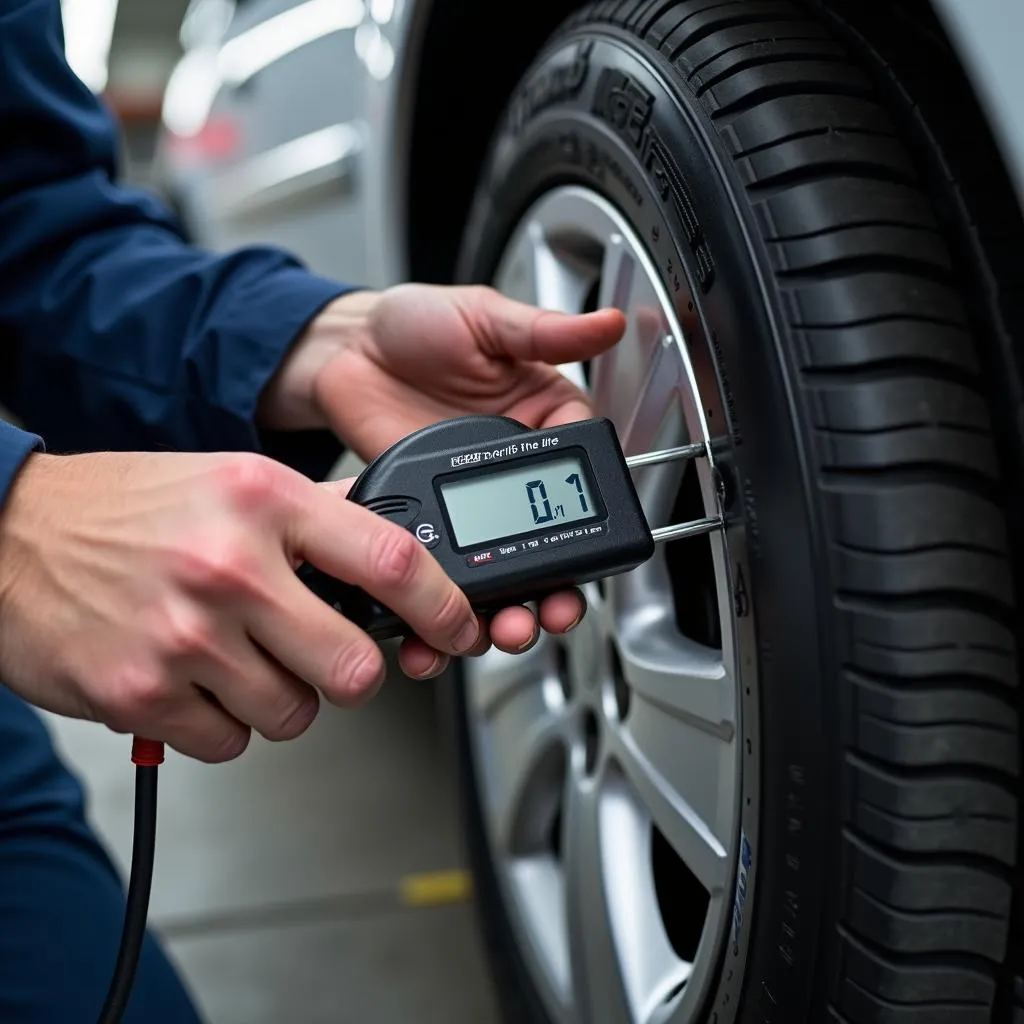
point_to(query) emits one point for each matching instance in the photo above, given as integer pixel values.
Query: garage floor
(310, 882)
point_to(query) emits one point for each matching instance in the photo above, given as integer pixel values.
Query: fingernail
(575, 622)
(369, 677)
(529, 643)
(435, 667)
(467, 636)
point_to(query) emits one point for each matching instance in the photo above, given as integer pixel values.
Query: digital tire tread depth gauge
(512, 514)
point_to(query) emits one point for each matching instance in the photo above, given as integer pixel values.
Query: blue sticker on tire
(743, 870)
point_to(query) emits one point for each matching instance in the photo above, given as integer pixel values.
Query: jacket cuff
(285, 306)
(16, 446)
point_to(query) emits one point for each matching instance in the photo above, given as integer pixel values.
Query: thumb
(508, 329)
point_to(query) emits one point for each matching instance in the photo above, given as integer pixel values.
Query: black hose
(139, 885)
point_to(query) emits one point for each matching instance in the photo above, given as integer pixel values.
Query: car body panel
(287, 94)
(310, 152)
(987, 35)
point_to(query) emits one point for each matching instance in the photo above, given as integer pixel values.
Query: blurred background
(314, 881)
(126, 50)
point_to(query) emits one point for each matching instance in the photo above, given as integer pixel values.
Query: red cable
(147, 753)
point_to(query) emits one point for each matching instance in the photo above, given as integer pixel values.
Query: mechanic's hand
(429, 353)
(156, 593)
(376, 366)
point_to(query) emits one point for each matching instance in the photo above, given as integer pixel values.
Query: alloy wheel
(610, 762)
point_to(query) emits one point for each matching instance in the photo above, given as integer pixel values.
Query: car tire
(813, 253)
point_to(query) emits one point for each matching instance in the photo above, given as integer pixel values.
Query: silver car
(774, 775)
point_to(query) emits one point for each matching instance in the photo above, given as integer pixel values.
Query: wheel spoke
(679, 676)
(539, 883)
(655, 397)
(523, 761)
(677, 771)
(534, 273)
(650, 966)
(598, 983)
(618, 374)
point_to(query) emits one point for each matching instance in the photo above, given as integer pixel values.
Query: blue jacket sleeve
(15, 447)
(114, 332)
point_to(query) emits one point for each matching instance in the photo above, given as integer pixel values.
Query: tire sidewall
(600, 110)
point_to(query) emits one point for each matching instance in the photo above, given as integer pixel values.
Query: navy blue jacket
(115, 334)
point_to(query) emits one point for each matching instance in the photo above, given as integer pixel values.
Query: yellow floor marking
(435, 888)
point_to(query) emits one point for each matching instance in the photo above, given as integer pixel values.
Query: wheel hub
(610, 760)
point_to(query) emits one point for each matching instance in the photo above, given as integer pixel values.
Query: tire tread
(910, 482)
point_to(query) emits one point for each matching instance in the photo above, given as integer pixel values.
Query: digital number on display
(494, 506)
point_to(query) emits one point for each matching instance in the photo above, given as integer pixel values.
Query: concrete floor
(310, 882)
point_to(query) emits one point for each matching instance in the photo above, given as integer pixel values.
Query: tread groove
(734, 21)
(761, 61)
(967, 861)
(719, 54)
(952, 961)
(774, 184)
(933, 600)
(919, 1005)
(766, 93)
(658, 10)
(877, 371)
(947, 773)
(908, 427)
(911, 474)
(813, 133)
(890, 318)
(938, 723)
(980, 683)
(958, 545)
(932, 648)
(844, 267)
(809, 236)
(933, 911)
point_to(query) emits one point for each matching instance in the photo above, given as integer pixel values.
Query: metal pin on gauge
(677, 531)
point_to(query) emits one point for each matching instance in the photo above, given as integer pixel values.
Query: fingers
(350, 543)
(357, 546)
(573, 411)
(514, 630)
(200, 728)
(514, 330)
(340, 488)
(420, 661)
(562, 612)
(253, 689)
(312, 641)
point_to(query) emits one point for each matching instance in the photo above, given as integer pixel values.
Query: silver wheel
(610, 763)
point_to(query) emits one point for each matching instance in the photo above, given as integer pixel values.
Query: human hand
(377, 366)
(156, 593)
(428, 353)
